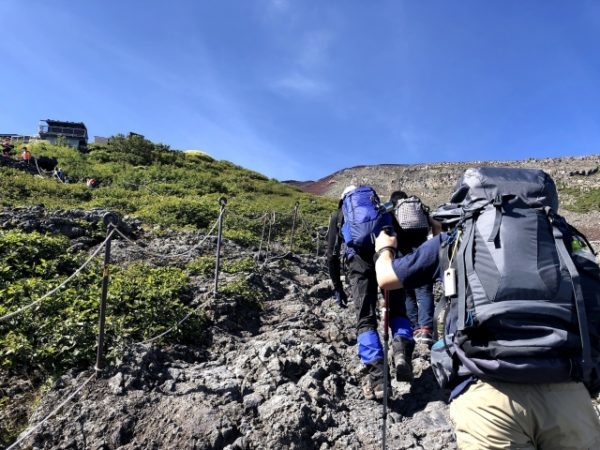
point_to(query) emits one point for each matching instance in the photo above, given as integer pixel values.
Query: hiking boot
(373, 388)
(403, 350)
(424, 336)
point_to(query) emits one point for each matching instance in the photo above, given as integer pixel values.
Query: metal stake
(222, 203)
(110, 219)
(271, 223)
(296, 205)
(318, 238)
(262, 235)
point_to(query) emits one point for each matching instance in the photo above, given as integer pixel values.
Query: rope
(164, 333)
(37, 167)
(174, 255)
(52, 413)
(43, 172)
(60, 286)
(273, 258)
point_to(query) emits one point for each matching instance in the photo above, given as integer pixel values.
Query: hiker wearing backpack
(521, 343)
(411, 222)
(358, 220)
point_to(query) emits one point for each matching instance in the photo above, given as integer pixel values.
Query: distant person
(58, 173)
(91, 183)
(25, 154)
(7, 149)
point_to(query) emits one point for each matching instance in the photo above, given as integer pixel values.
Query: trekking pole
(110, 219)
(385, 366)
(222, 203)
(317, 237)
(296, 205)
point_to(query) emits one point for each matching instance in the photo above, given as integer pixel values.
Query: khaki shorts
(495, 415)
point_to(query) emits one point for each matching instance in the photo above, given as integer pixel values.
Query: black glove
(340, 298)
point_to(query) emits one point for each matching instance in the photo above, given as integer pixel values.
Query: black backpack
(522, 285)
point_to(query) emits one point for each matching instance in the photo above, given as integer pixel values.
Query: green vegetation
(168, 188)
(60, 332)
(580, 200)
(243, 289)
(164, 188)
(205, 265)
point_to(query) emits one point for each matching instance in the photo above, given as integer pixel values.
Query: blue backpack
(363, 220)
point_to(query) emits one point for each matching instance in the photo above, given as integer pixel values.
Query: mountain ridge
(575, 177)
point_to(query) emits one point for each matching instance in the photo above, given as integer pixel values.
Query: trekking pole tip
(222, 201)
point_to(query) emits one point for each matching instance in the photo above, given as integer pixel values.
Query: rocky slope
(282, 375)
(433, 182)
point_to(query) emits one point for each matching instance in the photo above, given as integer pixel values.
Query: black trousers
(365, 293)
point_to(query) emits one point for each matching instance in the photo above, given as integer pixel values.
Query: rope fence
(172, 255)
(174, 327)
(60, 286)
(267, 221)
(31, 430)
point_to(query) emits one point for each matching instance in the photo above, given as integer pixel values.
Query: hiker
(412, 222)
(25, 154)
(7, 148)
(91, 183)
(523, 364)
(356, 231)
(58, 173)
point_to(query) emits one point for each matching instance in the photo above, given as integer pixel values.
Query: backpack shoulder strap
(559, 240)
(464, 264)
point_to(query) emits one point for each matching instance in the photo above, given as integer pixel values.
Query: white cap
(348, 189)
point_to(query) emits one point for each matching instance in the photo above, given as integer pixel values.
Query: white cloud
(309, 60)
(300, 84)
(279, 5)
(315, 49)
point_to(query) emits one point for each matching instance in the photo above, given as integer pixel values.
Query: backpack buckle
(497, 202)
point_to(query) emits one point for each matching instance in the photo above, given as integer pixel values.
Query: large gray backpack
(523, 285)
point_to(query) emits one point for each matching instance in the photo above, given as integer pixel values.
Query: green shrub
(203, 265)
(179, 212)
(242, 237)
(60, 332)
(32, 255)
(243, 289)
(587, 201)
(166, 187)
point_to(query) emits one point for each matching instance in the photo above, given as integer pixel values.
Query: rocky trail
(281, 375)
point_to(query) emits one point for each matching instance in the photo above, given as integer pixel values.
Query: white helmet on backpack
(349, 188)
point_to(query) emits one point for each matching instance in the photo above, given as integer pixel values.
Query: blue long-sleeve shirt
(422, 266)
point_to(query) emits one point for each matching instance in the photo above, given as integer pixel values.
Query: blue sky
(300, 89)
